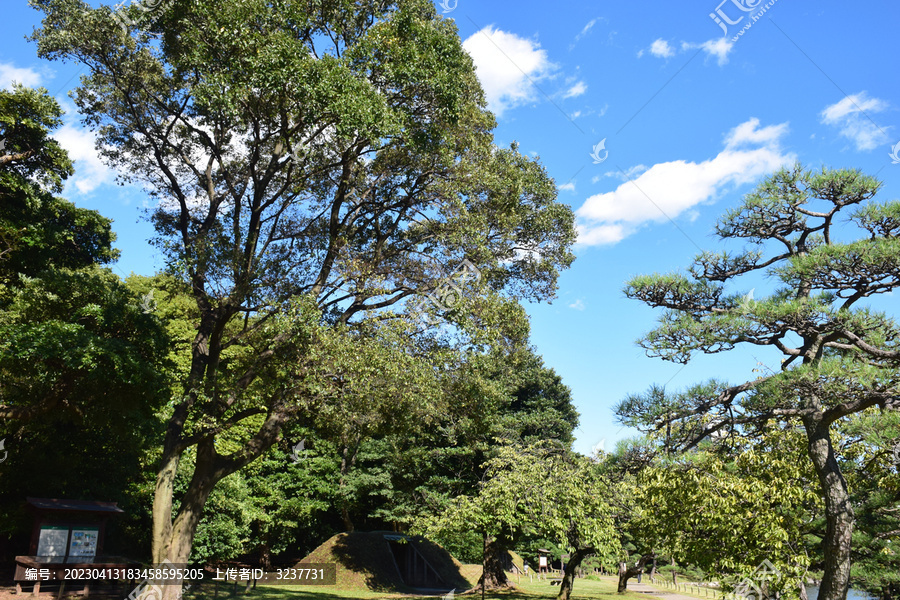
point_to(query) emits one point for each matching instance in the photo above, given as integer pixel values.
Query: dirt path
(645, 588)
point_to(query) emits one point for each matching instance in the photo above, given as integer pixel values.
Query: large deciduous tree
(490, 400)
(840, 354)
(752, 504)
(336, 152)
(535, 490)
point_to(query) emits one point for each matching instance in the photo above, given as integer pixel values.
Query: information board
(83, 544)
(52, 543)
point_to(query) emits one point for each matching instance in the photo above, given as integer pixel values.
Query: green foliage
(72, 334)
(75, 337)
(748, 507)
(39, 231)
(373, 468)
(874, 480)
(32, 161)
(841, 357)
(331, 109)
(98, 455)
(478, 402)
(535, 490)
(82, 364)
(316, 167)
(225, 531)
(541, 409)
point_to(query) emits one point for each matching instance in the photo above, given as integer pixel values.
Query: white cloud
(718, 48)
(661, 49)
(749, 133)
(90, 172)
(852, 115)
(584, 31)
(851, 105)
(567, 187)
(601, 235)
(575, 114)
(507, 66)
(79, 142)
(629, 174)
(10, 73)
(666, 190)
(577, 305)
(590, 24)
(576, 90)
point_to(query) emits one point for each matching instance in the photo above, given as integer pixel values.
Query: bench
(556, 581)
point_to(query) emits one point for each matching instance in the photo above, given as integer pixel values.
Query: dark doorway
(414, 569)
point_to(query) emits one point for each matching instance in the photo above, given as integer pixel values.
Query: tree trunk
(653, 568)
(173, 539)
(266, 557)
(173, 534)
(345, 517)
(568, 580)
(626, 572)
(348, 461)
(839, 516)
(162, 507)
(493, 576)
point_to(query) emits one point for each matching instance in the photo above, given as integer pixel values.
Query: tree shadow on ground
(322, 593)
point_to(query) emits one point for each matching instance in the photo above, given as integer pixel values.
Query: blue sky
(691, 114)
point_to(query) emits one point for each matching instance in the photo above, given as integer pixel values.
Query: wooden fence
(701, 591)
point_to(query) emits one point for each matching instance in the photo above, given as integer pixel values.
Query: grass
(585, 589)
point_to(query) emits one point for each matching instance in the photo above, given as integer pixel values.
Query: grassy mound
(365, 562)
